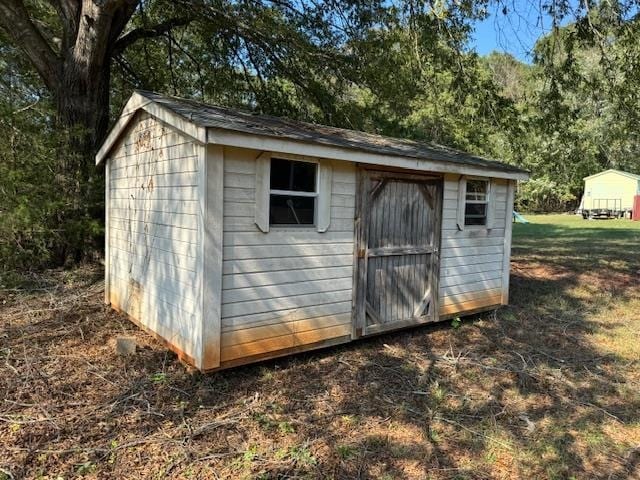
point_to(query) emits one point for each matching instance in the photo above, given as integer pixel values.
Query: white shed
(236, 237)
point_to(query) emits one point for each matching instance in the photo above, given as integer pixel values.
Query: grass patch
(547, 388)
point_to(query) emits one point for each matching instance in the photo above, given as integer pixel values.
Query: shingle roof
(217, 117)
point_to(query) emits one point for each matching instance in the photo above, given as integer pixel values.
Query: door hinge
(362, 252)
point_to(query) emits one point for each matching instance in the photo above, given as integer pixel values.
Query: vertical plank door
(398, 251)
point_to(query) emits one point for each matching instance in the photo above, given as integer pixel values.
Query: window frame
(486, 202)
(462, 203)
(324, 180)
(296, 193)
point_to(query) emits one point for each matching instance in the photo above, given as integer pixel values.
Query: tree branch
(121, 18)
(69, 12)
(149, 32)
(16, 22)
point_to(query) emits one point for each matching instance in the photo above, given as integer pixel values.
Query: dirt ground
(548, 387)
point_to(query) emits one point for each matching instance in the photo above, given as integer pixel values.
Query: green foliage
(346, 452)
(45, 216)
(159, 378)
(544, 195)
(302, 456)
(399, 68)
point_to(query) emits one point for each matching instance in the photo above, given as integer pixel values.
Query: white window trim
(462, 203)
(322, 212)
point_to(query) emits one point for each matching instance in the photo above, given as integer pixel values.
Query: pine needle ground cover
(548, 387)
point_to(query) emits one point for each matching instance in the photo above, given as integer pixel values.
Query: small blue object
(519, 218)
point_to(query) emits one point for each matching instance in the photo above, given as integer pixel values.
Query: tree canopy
(401, 68)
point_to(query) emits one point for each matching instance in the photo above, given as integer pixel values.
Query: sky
(515, 33)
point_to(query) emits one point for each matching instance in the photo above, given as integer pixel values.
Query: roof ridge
(215, 116)
(621, 172)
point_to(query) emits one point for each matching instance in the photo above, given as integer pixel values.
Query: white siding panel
(470, 278)
(151, 181)
(253, 280)
(183, 160)
(286, 238)
(463, 270)
(468, 251)
(471, 260)
(236, 337)
(282, 316)
(471, 287)
(160, 231)
(284, 303)
(285, 289)
(177, 192)
(288, 274)
(239, 180)
(290, 263)
(168, 206)
(160, 256)
(246, 195)
(285, 251)
(154, 234)
(163, 276)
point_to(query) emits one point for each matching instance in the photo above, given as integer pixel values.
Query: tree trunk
(82, 103)
(78, 75)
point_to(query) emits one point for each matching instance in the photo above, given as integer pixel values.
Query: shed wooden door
(398, 251)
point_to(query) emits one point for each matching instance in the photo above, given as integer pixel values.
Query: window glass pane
(280, 174)
(477, 190)
(290, 175)
(475, 214)
(291, 210)
(304, 177)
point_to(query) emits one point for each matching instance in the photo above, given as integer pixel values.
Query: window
(476, 202)
(293, 192)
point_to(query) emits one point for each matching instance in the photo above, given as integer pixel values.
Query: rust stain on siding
(143, 141)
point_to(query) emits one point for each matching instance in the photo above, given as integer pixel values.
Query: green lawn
(546, 388)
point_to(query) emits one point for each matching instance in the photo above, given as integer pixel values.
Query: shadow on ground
(546, 388)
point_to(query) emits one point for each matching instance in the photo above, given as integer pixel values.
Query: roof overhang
(137, 103)
(231, 138)
(275, 144)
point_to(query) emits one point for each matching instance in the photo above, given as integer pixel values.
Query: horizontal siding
(165, 206)
(331, 308)
(128, 240)
(284, 302)
(156, 290)
(163, 276)
(469, 278)
(154, 238)
(290, 263)
(159, 231)
(462, 270)
(248, 335)
(283, 277)
(272, 344)
(471, 260)
(148, 253)
(459, 305)
(177, 192)
(152, 181)
(285, 251)
(288, 287)
(286, 238)
(177, 158)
